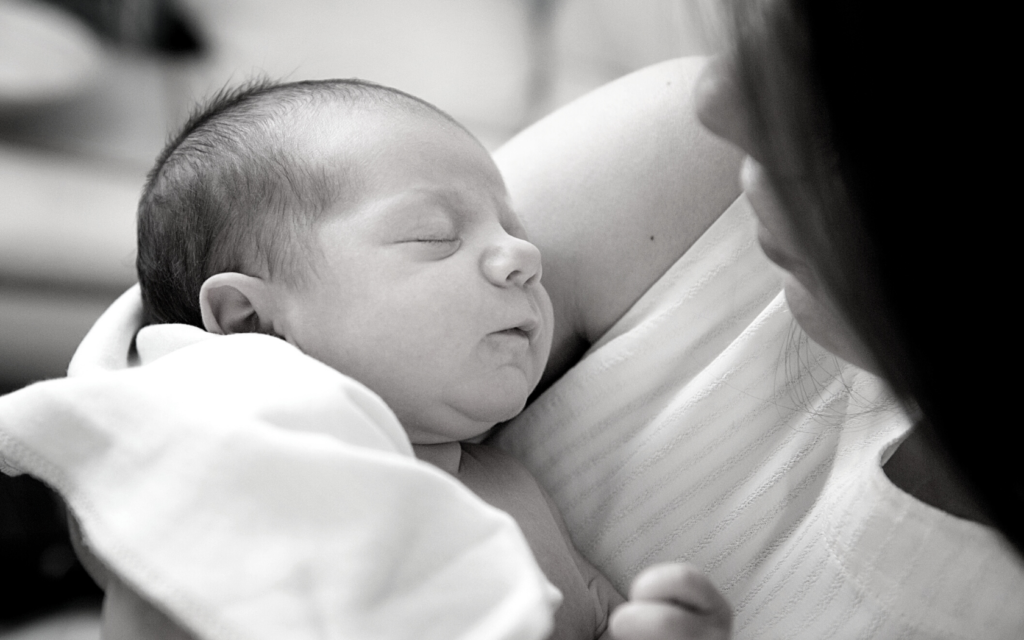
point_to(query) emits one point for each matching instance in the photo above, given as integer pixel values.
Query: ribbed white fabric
(705, 427)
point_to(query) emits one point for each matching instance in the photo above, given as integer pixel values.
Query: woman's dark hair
(896, 205)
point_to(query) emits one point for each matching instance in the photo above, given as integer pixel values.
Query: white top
(705, 427)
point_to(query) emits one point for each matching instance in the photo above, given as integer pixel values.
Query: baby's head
(362, 225)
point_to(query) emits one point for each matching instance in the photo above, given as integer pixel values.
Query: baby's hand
(672, 602)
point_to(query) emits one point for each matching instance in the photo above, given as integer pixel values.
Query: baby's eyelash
(436, 240)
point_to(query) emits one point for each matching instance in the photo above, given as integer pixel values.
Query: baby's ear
(234, 303)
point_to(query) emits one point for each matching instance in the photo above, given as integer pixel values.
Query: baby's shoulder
(505, 483)
(489, 471)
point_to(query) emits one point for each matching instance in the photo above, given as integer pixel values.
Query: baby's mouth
(525, 329)
(515, 332)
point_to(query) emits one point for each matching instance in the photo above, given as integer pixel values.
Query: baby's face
(428, 291)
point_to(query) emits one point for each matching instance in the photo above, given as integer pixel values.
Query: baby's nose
(513, 262)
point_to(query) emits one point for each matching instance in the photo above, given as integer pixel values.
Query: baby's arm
(603, 591)
(672, 602)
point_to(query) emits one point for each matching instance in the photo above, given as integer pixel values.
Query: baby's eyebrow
(433, 195)
(411, 200)
(453, 203)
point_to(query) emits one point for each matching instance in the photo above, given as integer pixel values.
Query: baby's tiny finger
(651, 620)
(679, 583)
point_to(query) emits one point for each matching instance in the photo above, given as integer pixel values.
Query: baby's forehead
(368, 147)
(326, 121)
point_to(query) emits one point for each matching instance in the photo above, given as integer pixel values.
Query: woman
(866, 521)
(827, 177)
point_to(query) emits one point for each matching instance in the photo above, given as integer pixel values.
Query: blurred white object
(45, 53)
(223, 450)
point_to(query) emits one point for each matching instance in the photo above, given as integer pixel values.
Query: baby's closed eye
(427, 227)
(432, 231)
(436, 240)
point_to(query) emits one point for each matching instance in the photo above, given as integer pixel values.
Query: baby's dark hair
(233, 189)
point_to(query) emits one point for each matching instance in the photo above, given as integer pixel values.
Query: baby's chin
(462, 425)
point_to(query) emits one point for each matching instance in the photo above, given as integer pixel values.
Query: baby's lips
(529, 326)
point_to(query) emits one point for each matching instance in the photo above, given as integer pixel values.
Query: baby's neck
(445, 456)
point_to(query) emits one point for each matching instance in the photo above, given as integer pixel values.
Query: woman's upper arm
(613, 188)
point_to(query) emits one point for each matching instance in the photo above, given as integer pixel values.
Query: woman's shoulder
(613, 189)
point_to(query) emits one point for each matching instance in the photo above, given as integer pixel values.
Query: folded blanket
(249, 491)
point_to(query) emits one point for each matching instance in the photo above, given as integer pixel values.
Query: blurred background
(90, 89)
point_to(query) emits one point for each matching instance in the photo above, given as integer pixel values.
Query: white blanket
(252, 492)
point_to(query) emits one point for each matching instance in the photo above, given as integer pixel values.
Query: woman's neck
(923, 470)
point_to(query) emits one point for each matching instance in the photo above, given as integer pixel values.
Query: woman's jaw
(722, 109)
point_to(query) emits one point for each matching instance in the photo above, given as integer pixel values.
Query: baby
(373, 232)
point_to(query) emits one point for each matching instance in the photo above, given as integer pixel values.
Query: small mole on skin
(652, 238)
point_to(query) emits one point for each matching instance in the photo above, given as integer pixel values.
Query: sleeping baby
(373, 232)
